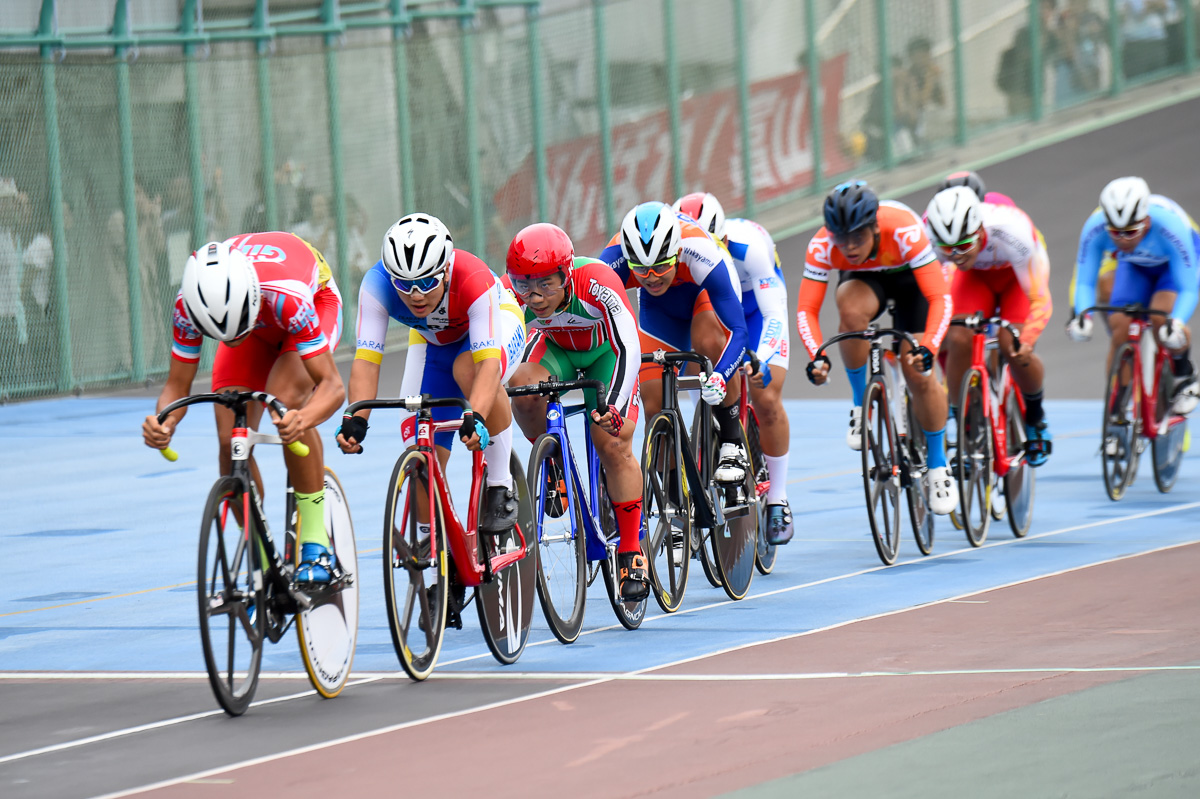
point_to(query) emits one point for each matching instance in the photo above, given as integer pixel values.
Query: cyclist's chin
(656, 288)
(857, 259)
(419, 311)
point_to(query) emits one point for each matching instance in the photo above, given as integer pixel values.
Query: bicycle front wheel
(915, 490)
(1166, 448)
(881, 481)
(666, 513)
(416, 579)
(975, 470)
(558, 535)
(764, 556)
(1021, 478)
(1121, 429)
(703, 537)
(231, 598)
(505, 603)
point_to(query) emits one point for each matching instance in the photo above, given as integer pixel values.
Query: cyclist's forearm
(483, 390)
(179, 385)
(329, 394)
(364, 382)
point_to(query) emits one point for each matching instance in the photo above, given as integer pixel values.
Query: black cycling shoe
(555, 491)
(779, 524)
(454, 605)
(634, 579)
(499, 513)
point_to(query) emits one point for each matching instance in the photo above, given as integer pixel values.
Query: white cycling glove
(712, 390)
(1172, 335)
(1079, 328)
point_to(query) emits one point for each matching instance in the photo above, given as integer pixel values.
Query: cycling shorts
(988, 291)
(599, 363)
(249, 363)
(1135, 285)
(779, 351)
(665, 322)
(429, 369)
(912, 309)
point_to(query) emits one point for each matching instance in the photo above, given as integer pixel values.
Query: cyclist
(882, 253)
(688, 298)
(1002, 267)
(270, 300)
(580, 323)
(465, 340)
(975, 183)
(764, 305)
(1157, 245)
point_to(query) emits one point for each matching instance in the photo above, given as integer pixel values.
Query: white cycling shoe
(854, 434)
(1187, 396)
(942, 490)
(729, 464)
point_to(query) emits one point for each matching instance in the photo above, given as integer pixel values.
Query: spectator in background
(360, 256)
(1079, 39)
(318, 227)
(1014, 76)
(1144, 35)
(918, 87)
(13, 329)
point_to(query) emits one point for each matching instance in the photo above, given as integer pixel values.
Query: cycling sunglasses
(1126, 232)
(526, 286)
(963, 247)
(423, 285)
(659, 269)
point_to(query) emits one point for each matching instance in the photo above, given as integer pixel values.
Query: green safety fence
(125, 143)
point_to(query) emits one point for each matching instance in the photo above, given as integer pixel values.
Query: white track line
(796, 676)
(607, 678)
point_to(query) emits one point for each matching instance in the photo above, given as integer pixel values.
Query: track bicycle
(430, 556)
(765, 553)
(685, 508)
(894, 457)
(1137, 407)
(576, 530)
(245, 583)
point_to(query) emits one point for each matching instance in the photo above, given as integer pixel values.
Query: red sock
(629, 524)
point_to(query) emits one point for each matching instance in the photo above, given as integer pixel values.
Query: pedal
(737, 511)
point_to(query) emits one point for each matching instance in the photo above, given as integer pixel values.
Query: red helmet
(705, 209)
(540, 250)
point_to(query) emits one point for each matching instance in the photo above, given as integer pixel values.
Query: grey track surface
(1058, 186)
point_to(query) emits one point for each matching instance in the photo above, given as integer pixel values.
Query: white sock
(497, 457)
(777, 469)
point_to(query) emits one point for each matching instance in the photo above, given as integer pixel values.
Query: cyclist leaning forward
(688, 299)
(1157, 244)
(465, 340)
(1002, 267)
(882, 253)
(270, 300)
(580, 323)
(764, 304)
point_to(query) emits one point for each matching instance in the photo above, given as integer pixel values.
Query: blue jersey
(1171, 242)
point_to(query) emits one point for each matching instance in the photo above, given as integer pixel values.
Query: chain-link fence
(119, 154)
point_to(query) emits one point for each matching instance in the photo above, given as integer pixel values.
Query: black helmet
(969, 179)
(850, 206)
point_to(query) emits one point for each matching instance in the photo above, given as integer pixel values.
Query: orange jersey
(902, 245)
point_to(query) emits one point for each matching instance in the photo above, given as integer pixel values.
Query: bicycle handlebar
(870, 334)
(560, 387)
(979, 324)
(415, 403)
(231, 400)
(663, 358)
(1128, 310)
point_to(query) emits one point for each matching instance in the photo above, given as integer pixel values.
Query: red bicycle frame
(744, 413)
(1002, 463)
(1146, 402)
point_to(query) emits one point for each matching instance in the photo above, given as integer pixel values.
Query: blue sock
(937, 448)
(858, 383)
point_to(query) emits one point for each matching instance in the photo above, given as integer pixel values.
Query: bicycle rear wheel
(1021, 478)
(231, 598)
(416, 582)
(666, 513)
(975, 472)
(735, 549)
(915, 491)
(1166, 448)
(764, 556)
(558, 532)
(505, 603)
(881, 481)
(327, 631)
(1121, 429)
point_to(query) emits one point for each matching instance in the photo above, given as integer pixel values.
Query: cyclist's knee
(958, 338)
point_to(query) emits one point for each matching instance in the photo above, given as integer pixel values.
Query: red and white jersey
(290, 272)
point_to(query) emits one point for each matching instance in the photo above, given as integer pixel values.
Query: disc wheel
(735, 549)
(505, 603)
(232, 609)
(916, 491)
(881, 480)
(327, 631)
(1020, 481)
(558, 532)
(1166, 448)
(764, 556)
(974, 470)
(666, 514)
(1121, 428)
(416, 580)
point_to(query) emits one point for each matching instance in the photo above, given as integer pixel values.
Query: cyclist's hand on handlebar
(157, 436)
(610, 422)
(712, 389)
(818, 371)
(350, 434)
(921, 359)
(291, 426)
(1022, 353)
(473, 432)
(758, 371)
(1079, 328)
(1173, 335)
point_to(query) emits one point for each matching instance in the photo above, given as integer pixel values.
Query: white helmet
(417, 246)
(953, 214)
(650, 234)
(220, 291)
(1126, 201)
(705, 209)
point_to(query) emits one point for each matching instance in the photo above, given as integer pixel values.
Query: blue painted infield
(108, 532)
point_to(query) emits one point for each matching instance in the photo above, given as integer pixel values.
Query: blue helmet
(850, 206)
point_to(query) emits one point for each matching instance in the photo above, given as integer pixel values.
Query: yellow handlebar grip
(170, 454)
(299, 448)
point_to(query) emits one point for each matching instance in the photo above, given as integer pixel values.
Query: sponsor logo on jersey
(184, 325)
(263, 252)
(818, 250)
(368, 344)
(813, 273)
(605, 296)
(907, 237)
(305, 316)
(768, 282)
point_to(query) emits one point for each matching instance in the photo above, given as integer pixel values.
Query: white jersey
(764, 292)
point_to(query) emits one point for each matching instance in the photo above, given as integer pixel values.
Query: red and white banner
(710, 133)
